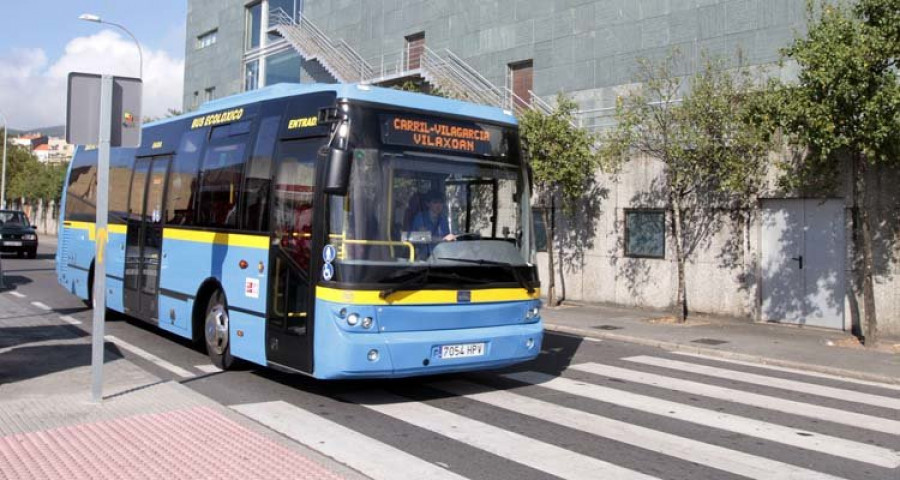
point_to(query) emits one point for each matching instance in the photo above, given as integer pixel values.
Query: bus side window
(120, 164)
(220, 183)
(258, 176)
(183, 179)
(81, 198)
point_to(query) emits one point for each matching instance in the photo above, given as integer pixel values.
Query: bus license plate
(462, 350)
(12, 244)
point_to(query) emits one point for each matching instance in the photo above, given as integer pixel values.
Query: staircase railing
(453, 70)
(341, 61)
(446, 71)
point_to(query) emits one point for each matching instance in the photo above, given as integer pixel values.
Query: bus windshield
(409, 209)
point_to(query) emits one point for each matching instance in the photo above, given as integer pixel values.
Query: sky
(41, 41)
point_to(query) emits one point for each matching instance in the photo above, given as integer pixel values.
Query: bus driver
(433, 220)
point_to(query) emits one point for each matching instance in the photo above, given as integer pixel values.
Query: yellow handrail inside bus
(342, 240)
(389, 243)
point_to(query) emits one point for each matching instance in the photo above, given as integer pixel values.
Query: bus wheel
(215, 327)
(89, 301)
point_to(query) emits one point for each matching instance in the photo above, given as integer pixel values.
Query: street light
(90, 17)
(3, 180)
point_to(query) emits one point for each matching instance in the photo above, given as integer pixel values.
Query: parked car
(17, 234)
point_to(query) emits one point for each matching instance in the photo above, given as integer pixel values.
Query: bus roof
(354, 91)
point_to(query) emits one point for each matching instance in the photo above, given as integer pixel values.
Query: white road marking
(208, 368)
(150, 357)
(808, 410)
(721, 458)
(17, 294)
(70, 320)
(592, 339)
(376, 459)
(513, 446)
(784, 384)
(797, 371)
(40, 305)
(794, 437)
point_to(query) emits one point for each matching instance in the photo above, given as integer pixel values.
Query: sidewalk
(144, 428)
(805, 348)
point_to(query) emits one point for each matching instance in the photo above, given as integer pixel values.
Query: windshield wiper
(418, 279)
(520, 279)
(421, 277)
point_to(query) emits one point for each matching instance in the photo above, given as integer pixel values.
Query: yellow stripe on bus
(92, 229)
(219, 238)
(423, 297)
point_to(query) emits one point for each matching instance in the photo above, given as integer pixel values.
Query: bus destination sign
(415, 131)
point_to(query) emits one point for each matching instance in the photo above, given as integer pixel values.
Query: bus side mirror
(337, 175)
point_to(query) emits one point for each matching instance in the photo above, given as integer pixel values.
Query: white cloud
(33, 91)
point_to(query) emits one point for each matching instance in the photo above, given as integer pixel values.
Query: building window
(251, 75)
(195, 102)
(254, 26)
(415, 48)
(540, 229)
(209, 94)
(289, 8)
(281, 12)
(207, 39)
(283, 68)
(645, 233)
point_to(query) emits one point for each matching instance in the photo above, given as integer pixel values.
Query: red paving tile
(190, 443)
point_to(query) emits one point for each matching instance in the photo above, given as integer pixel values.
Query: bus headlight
(367, 323)
(372, 355)
(352, 319)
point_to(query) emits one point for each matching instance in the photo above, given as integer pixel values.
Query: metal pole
(3, 180)
(99, 293)
(140, 52)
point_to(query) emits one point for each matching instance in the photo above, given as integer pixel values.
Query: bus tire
(216, 331)
(89, 301)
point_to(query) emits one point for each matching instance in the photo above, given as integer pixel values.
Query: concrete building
(60, 151)
(520, 54)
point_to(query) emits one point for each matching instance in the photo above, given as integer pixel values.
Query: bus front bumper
(347, 355)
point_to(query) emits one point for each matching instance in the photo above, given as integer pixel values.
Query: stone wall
(722, 274)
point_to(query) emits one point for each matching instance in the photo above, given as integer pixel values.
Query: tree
(846, 103)
(712, 155)
(729, 129)
(421, 87)
(27, 177)
(564, 161)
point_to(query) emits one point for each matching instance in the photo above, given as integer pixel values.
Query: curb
(674, 346)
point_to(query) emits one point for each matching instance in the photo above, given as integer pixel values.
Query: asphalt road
(583, 409)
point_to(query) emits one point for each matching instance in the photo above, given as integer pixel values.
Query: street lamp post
(103, 147)
(89, 17)
(3, 178)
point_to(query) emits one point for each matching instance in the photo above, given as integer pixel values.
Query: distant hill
(57, 131)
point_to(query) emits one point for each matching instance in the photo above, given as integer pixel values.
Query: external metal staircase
(445, 71)
(337, 58)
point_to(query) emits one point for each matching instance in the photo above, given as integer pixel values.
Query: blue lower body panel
(342, 352)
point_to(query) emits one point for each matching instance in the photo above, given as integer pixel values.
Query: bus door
(289, 322)
(143, 243)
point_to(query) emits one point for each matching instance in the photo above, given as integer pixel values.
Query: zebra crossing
(688, 420)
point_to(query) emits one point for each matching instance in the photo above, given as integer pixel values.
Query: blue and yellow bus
(339, 231)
